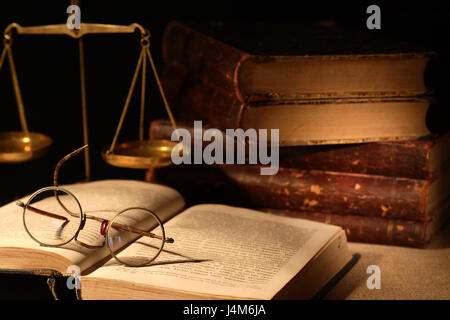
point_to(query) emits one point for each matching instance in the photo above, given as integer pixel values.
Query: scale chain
(2, 57)
(87, 167)
(15, 81)
(163, 96)
(143, 85)
(127, 101)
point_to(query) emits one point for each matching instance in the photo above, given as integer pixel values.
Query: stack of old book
(356, 124)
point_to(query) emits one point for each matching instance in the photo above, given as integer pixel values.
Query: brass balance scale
(141, 154)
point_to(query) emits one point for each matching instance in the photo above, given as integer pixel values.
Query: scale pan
(141, 154)
(20, 146)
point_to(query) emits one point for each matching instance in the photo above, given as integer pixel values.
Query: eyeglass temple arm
(41, 212)
(61, 162)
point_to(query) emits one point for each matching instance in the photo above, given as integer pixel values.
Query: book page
(104, 198)
(223, 250)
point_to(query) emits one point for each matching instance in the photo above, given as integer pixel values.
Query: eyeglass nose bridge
(82, 220)
(82, 224)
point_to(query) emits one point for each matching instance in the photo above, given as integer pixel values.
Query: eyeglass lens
(146, 248)
(52, 217)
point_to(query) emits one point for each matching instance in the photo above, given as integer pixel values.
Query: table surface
(405, 273)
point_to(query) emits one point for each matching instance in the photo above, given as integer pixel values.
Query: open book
(219, 252)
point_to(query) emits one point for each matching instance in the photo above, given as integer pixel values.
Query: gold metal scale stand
(141, 154)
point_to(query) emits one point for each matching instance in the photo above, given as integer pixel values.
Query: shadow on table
(441, 239)
(354, 279)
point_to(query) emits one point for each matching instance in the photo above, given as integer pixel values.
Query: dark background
(48, 73)
(48, 68)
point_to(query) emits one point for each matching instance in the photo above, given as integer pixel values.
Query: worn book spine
(39, 284)
(185, 48)
(192, 99)
(333, 192)
(370, 229)
(305, 190)
(409, 159)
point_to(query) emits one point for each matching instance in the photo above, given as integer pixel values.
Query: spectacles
(53, 217)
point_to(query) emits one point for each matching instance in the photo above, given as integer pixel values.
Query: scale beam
(85, 28)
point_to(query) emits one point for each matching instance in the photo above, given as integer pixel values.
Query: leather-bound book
(418, 159)
(339, 192)
(308, 121)
(292, 61)
(378, 230)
